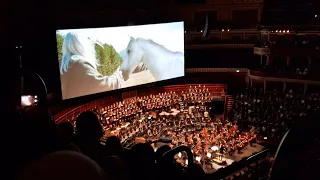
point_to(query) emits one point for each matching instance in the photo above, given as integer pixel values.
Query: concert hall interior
(170, 89)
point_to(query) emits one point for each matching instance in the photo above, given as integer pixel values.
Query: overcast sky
(170, 35)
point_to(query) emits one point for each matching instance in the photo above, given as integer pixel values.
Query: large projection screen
(103, 59)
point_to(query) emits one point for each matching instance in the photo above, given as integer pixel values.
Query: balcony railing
(218, 41)
(71, 113)
(284, 76)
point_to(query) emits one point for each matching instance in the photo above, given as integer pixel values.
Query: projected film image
(103, 59)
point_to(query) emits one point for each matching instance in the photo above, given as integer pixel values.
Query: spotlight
(288, 31)
(276, 31)
(201, 31)
(222, 30)
(228, 29)
(237, 70)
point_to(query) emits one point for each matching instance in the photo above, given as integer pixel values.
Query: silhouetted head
(142, 156)
(88, 126)
(66, 130)
(113, 145)
(63, 165)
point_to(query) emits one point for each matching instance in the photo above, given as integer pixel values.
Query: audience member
(63, 165)
(88, 136)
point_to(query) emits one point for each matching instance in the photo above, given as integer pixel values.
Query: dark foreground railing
(236, 166)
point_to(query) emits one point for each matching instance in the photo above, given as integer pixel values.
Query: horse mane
(159, 45)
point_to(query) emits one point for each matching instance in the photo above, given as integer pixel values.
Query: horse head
(133, 57)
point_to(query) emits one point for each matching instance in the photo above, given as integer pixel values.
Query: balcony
(275, 77)
(225, 38)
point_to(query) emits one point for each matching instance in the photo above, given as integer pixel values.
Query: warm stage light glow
(209, 155)
(222, 30)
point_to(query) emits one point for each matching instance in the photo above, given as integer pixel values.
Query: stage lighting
(237, 70)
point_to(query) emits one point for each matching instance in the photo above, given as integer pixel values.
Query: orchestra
(183, 117)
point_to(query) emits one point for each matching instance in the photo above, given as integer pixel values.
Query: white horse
(161, 62)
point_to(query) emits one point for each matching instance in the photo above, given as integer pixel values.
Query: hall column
(268, 60)
(309, 62)
(264, 85)
(288, 61)
(305, 88)
(284, 86)
(247, 81)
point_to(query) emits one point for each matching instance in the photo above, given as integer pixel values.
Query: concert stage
(227, 160)
(246, 152)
